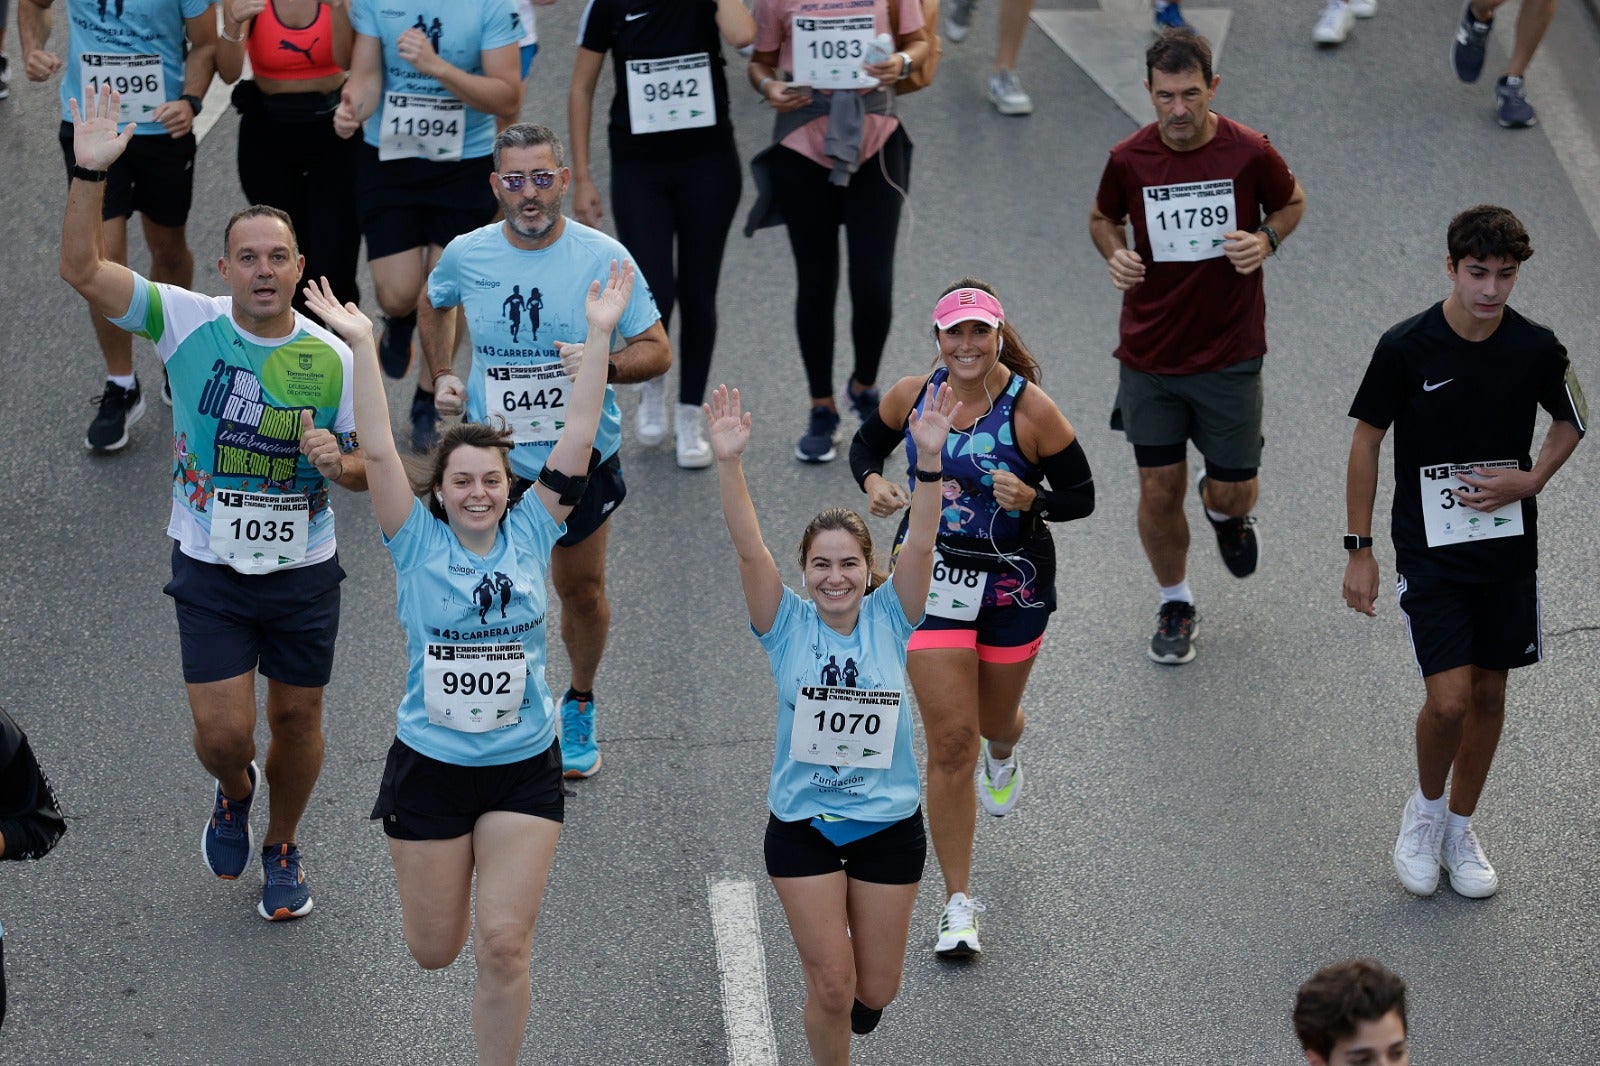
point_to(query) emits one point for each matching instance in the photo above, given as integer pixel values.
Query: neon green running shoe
(999, 781)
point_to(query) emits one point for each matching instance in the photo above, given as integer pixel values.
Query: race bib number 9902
(845, 726)
(670, 94)
(473, 688)
(1188, 223)
(1449, 521)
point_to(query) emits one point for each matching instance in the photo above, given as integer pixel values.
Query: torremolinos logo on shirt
(254, 438)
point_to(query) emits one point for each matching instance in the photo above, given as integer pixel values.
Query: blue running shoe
(226, 843)
(580, 755)
(1170, 17)
(284, 893)
(424, 423)
(1511, 103)
(864, 402)
(822, 433)
(1471, 44)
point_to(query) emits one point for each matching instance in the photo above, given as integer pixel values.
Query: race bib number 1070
(845, 726)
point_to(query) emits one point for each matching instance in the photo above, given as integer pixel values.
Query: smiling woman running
(473, 781)
(844, 845)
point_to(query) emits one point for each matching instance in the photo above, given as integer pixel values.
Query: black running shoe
(863, 1019)
(1236, 538)
(394, 347)
(119, 409)
(1173, 643)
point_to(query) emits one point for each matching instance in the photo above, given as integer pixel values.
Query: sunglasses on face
(542, 179)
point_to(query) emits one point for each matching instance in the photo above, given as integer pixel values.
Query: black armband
(1072, 486)
(873, 443)
(569, 488)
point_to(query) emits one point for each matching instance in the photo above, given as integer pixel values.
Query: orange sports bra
(283, 53)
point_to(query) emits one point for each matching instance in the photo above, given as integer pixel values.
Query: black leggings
(290, 158)
(869, 210)
(692, 198)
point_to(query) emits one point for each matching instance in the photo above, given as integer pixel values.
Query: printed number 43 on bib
(845, 726)
(1188, 223)
(1449, 521)
(668, 94)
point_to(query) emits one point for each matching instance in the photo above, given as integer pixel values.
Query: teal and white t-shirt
(518, 305)
(460, 32)
(236, 403)
(475, 635)
(135, 46)
(811, 661)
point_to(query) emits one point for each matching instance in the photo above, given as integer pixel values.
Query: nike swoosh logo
(1428, 386)
(635, 15)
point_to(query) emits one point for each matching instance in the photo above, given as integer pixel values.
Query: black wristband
(930, 476)
(569, 488)
(85, 174)
(193, 101)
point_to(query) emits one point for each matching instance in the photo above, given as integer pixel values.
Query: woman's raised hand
(728, 428)
(930, 428)
(347, 320)
(605, 305)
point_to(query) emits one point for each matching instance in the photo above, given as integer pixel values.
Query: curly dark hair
(1487, 232)
(1337, 999)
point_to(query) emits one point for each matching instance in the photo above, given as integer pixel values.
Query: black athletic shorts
(604, 495)
(893, 855)
(155, 177)
(412, 203)
(283, 623)
(424, 799)
(1493, 625)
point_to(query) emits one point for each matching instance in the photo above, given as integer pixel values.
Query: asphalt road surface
(1194, 841)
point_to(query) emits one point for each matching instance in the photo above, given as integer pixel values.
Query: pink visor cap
(968, 305)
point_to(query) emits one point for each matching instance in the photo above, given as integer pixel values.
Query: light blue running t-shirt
(460, 32)
(805, 653)
(518, 305)
(236, 403)
(456, 607)
(135, 46)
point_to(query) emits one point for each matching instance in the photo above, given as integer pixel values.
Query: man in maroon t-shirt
(1208, 200)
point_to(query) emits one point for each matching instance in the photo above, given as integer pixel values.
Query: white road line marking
(743, 966)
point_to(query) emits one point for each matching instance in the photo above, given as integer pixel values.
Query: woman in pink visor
(1011, 464)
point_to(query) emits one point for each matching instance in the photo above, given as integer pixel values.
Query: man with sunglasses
(524, 380)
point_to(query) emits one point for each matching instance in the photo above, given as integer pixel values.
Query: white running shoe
(694, 451)
(650, 421)
(1469, 869)
(1416, 851)
(1007, 94)
(1363, 9)
(1334, 25)
(958, 928)
(999, 781)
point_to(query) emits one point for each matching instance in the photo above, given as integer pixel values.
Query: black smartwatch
(569, 488)
(1354, 542)
(196, 103)
(1272, 238)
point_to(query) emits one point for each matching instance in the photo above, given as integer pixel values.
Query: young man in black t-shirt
(1461, 383)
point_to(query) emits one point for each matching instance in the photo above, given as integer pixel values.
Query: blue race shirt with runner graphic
(127, 27)
(236, 403)
(801, 647)
(448, 595)
(520, 303)
(460, 31)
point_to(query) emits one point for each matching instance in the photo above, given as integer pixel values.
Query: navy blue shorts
(1493, 625)
(894, 855)
(283, 623)
(422, 798)
(604, 495)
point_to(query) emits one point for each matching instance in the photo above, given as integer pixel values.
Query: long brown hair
(426, 482)
(847, 521)
(1013, 353)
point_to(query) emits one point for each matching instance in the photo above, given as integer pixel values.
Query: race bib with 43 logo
(845, 726)
(532, 400)
(473, 688)
(259, 532)
(827, 53)
(1188, 223)
(1449, 521)
(422, 127)
(670, 94)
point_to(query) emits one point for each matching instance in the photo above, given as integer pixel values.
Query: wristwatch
(1272, 238)
(1354, 542)
(193, 101)
(905, 64)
